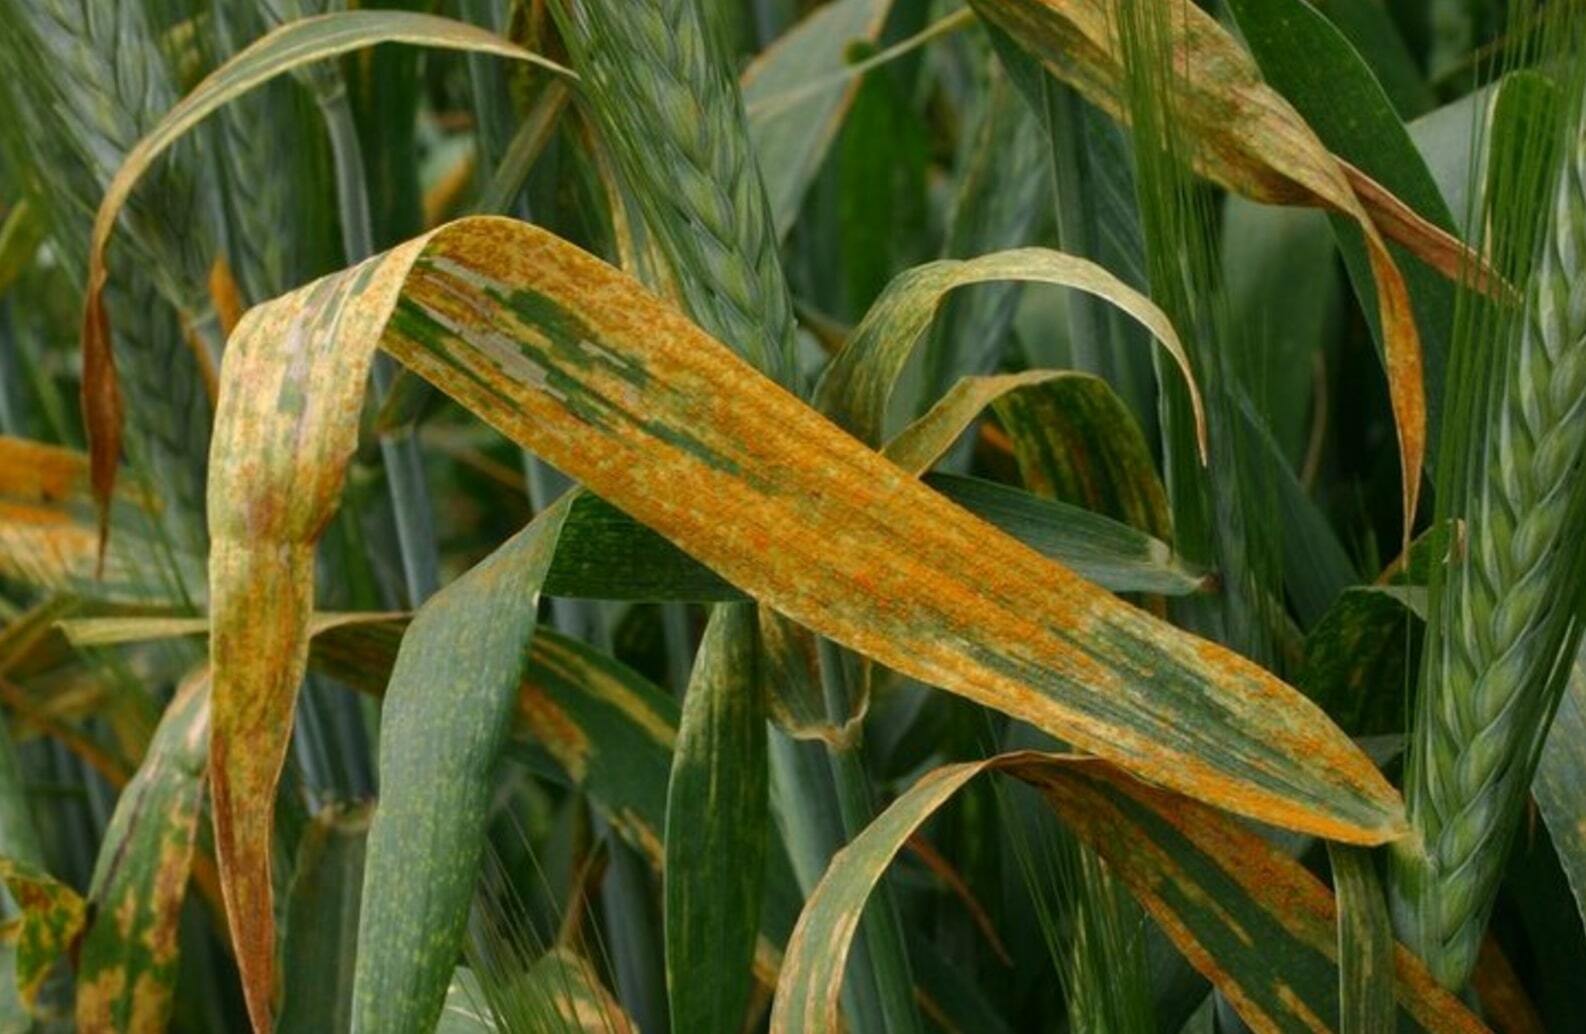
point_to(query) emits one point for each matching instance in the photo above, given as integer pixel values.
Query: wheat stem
(1506, 611)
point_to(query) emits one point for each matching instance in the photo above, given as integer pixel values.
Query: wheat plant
(792, 515)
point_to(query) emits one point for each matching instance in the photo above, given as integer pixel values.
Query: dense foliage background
(332, 701)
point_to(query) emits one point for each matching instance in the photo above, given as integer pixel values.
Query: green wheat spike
(656, 76)
(1506, 619)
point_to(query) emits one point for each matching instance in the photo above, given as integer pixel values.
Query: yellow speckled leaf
(52, 917)
(577, 362)
(127, 968)
(1253, 920)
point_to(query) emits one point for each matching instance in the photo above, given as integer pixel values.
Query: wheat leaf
(442, 729)
(1317, 70)
(1076, 441)
(320, 921)
(1243, 135)
(128, 962)
(1365, 944)
(1250, 918)
(717, 825)
(52, 918)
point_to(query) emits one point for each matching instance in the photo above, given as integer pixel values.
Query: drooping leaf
(717, 816)
(928, 437)
(1249, 917)
(290, 46)
(319, 939)
(52, 918)
(128, 964)
(1317, 71)
(1243, 135)
(796, 98)
(285, 428)
(442, 729)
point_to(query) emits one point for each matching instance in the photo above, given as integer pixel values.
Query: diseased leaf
(285, 427)
(1318, 72)
(927, 439)
(574, 360)
(127, 968)
(1243, 135)
(52, 918)
(855, 388)
(796, 99)
(442, 729)
(290, 46)
(1249, 917)
(717, 824)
